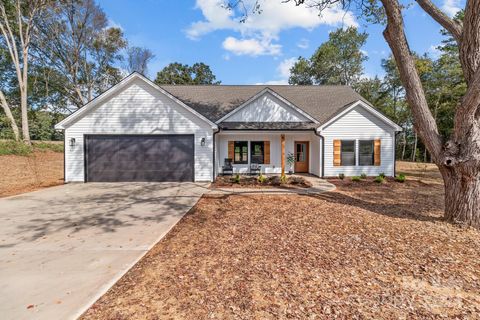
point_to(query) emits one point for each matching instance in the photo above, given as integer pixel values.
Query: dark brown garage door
(119, 158)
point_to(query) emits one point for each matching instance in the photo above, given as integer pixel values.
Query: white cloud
(434, 51)
(265, 27)
(283, 71)
(303, 44)
(251, 47)
(285, 66)
(365, 52)
(451, 7)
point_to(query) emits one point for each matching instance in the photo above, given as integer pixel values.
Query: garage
(145, 158)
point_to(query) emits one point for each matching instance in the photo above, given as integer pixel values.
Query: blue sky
(260, 50)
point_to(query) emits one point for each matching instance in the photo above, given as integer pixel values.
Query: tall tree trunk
(8, 113)
(404, 148)
(462, 194)
(414, 151)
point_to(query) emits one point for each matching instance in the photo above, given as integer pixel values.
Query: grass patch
(11, 147)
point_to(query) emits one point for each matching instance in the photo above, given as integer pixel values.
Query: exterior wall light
(72, 142)
(202, 142)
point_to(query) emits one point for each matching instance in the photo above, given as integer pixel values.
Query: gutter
(323, 151)
(215, 131)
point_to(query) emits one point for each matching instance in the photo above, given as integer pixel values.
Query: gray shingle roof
(214, 102)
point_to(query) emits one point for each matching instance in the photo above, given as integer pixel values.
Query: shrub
(14, 147)
(363, 176)
(236, 179)
(382, 175)
(400, 178)
(341, 176)
(261, 178)
(379, 179)
(283, 179)
(356, 178)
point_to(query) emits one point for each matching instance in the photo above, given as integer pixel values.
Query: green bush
(341, 176)
(379, 179)
(236, 179)
(363, 176)
(382, 175)
(16, 148)
(283, 179)
(262, 179)
(400, 178)
(356, 178)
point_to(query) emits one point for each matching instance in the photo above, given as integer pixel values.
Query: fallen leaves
(364, 251)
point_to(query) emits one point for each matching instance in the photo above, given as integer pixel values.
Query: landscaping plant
(400, 178)
(379, 179)
(262, 179)
(363, 176)
(341, 176)
(356, 178)
(236, 179)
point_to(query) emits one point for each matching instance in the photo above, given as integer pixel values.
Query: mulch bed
(19, 174)
(365, 251)
(254, 182)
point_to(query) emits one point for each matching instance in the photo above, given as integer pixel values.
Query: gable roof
(119, 86)
(216, 101)
(259, 95)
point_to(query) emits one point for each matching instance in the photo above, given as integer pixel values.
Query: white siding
(267, 108)
(139, 109)
(275, 149)
(359, 124)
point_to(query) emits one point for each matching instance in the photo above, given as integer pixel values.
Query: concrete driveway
(61, 248)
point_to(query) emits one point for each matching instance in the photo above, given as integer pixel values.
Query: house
(139, 131)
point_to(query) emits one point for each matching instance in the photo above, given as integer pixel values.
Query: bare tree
(138, 59)
(76, 41)
(457, 156)
(17, 24)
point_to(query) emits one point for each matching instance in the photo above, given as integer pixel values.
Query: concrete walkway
(318, 186)
(61, 248)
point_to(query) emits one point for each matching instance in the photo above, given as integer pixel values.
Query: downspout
(322, 138)
(395, 153)
(214, 164)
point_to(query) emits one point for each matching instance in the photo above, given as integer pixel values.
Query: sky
(261, 50)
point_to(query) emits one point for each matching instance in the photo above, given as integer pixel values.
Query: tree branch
(424, 122)
(8, 113)
(454, 27)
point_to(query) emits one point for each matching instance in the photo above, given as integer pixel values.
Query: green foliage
(382, 174)
(261, 178)
(236, 178)
(363, 176)
(177, 73)
(12, 147)
(55, 147)
(356, 178)
(290, 159)
(283, 179)
(400, 178)
(341, 176)
(379, 179)
(337, 61)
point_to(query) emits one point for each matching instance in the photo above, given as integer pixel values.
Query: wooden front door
(301, 156)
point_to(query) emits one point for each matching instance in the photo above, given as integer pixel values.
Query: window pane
(257, 152)
(348, 153)
(241, 152)
(366, 153)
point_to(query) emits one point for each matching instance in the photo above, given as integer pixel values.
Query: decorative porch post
(282, 139)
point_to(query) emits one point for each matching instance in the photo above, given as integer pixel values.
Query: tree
(76, 42)
(138, 59)
(18, 21)
(457, 156)
(301, 72)
(337, 61)
(177, 73)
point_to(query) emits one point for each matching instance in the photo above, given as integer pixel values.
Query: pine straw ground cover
(366, 250)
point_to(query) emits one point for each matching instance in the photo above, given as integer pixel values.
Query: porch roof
(268, 125)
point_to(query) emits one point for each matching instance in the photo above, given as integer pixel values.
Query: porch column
(282, 142)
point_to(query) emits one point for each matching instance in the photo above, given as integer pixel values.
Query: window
(348, 153)
(365, 153)
(240, 152)
(257, 152)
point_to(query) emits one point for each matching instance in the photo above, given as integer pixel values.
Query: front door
(301, 156)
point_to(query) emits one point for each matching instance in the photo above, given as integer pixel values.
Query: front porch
(270, 150)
